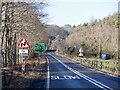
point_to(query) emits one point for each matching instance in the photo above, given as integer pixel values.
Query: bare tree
(18, 19)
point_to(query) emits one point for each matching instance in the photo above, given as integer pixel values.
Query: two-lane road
(65, 74)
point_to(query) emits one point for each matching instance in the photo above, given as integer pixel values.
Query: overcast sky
(74, 12)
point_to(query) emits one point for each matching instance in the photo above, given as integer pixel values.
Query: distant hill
(67, 27)
(57, 35)
(56, 31)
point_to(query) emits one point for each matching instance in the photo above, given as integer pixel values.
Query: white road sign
(23, 52)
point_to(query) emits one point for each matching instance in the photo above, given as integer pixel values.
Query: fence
(109, 66)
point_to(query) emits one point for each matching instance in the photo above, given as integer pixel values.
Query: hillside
(98, 36)
(56, 31)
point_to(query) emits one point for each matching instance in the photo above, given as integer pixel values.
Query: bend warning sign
(23, 44)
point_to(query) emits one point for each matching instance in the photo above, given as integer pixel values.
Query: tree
(85, 24)
(74, 26)
(7, 34)
(39, 7)
(93, 21)
(19, 19)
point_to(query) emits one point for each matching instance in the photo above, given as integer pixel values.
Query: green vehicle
(39, 48)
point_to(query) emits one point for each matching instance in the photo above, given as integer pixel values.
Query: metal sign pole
(23, 51)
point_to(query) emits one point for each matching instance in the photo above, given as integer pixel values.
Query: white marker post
(80, 52)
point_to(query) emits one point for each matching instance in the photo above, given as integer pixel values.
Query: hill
(97, 36)
(56, 31)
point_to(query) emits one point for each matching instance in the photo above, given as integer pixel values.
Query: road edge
(48, 75)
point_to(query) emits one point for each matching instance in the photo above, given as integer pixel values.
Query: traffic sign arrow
(23, 44)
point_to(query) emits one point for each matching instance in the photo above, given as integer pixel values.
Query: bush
(70, 50)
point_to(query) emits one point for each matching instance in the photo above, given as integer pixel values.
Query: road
(65, 74)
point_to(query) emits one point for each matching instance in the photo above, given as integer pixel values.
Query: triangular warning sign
(23, 44)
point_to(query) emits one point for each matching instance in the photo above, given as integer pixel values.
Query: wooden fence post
(101, 64)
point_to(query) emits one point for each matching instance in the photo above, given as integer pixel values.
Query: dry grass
(25, 80)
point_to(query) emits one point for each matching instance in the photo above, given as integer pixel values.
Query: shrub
(70, 50)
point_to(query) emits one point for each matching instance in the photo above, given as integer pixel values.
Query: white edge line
(100, 72)
(48, 75)
(83, 76)
(106, 73)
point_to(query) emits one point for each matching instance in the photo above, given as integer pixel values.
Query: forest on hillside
(96, 37)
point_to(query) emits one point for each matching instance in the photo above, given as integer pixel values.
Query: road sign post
(23, 47)
(39, 49)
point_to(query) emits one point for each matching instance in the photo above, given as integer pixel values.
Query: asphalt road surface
(65, 74)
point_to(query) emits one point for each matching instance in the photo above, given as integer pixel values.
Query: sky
(77, 12)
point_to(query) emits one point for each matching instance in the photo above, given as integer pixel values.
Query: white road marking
(54, 77)
(84, 76)
(48, 76)
(105, 73)
(65, 77)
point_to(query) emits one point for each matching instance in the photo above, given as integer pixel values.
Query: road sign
(23, 44)
(23, 52)
(80, 52)
(39, 48)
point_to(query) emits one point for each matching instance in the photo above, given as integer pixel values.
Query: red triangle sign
(23, 44)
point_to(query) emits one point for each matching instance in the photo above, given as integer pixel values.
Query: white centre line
(84, 76)
(48, 75)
